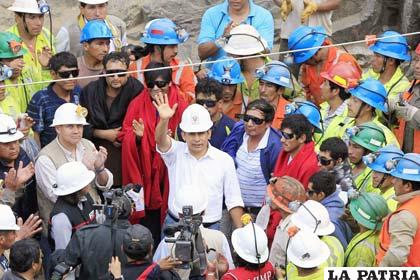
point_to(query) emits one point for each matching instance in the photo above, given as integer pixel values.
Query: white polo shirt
(215, 173)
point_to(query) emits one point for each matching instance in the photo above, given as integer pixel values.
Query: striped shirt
(250, 174)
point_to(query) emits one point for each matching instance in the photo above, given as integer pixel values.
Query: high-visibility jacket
(336, 258)
(361, 250)
(182, 76)
(279, 115)
(389, 196)
(363, 181)
(397, 84)
(413, 258)
(400, 131)
(292, 273)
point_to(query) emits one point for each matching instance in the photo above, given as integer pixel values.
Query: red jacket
(241, 273)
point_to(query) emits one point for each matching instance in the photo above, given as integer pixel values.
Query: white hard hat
(195, 119)
(8, 130)
(194, 196)
(244, 239)
(25, 6)
(93, 2)
(70, 113)
(7, 219)
(245, 40)
(72, 177)
(306, 250)
(311, 215)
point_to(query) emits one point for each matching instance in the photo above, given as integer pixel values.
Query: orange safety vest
(280, 111)
(399, 131)
(413, 259)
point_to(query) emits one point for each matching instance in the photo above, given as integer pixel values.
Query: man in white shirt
(197, 163)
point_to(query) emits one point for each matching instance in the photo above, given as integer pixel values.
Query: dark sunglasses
(209, 103)
(324, 161)
(66, 74)
(286, 135)
(247, 118)
(159, 84)
(118, 72)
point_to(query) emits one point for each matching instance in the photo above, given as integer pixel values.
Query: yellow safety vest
(336, 258)
(361, 250)
(389, 196)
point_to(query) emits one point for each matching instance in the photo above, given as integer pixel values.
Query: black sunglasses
(159, 84)
(209, 103)
(247, 118)
(118, 72)
(66, 74)
(324, 161)
(286, 135)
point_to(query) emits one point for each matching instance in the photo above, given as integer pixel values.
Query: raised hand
(15, 179)
(44, 56)
(115, 267)
(161, 104)
(32, 226)
(100, 158)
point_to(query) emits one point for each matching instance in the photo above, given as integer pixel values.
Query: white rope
(210, 62)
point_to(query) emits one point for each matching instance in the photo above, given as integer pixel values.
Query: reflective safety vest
(389, 196)
(362, 249)
(363, 181)
(413, 258)
(336, 258)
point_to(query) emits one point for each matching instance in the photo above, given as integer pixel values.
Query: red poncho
(142, 164)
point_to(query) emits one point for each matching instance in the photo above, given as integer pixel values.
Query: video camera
(189, 245)
(60, 270)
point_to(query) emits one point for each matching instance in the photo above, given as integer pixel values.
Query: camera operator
(192, 244)
(138, 246)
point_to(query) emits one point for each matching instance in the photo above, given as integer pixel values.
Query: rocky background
(352, 21)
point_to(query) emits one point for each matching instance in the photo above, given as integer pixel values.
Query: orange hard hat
(343, 74)
(285, 189)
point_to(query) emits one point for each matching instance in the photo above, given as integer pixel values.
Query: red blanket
(141, 163)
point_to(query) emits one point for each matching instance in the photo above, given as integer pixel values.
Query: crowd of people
(276, 168)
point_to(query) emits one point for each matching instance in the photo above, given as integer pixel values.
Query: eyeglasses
(118, 72)
(159, 84)
(9, 131)
(286, 135)
(208, 102)
(324, 161)
(247, 118)
(66, 74)
(311, 192)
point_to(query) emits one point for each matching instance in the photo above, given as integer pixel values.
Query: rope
(210, 62)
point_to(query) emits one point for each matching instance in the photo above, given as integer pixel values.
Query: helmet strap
(360, 110)
(383, 64)
(382, 180)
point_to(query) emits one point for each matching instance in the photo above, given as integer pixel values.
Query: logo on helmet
(15, 46)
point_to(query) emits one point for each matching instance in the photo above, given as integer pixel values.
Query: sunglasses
(159, 84)
(66, 74)
(311, 192)
(209, 103)
(118, 72)
(286, 135)
(247, 118)
(324, 161)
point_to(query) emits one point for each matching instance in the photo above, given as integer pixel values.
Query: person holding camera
(189, 235)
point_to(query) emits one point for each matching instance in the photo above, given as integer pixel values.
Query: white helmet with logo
(195, 119)
(25, 6)
(70, 113)
(8, 130)
(244, 39)
(7, 218)
(189, 195)
(313, 216)
(93, 2)
(250, 242)
(72, 177)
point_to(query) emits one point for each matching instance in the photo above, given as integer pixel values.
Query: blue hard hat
(309, 110)
(95, 29)
(275, 72)
(377, 161)
(407, 167)
(306, 37)
(395, 47)
(226, 72)
(163, 31)
(373, 93)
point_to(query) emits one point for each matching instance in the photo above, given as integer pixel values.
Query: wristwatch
(220, 42)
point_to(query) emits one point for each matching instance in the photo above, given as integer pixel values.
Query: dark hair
(62, 59)
(116, 56)
(414, 184)
(23, 253)
(323, 181)
(166, 74)
(299, 126)
(72, 198)
(336, 147)
(209, 87)
(343, 94)
(263, 106)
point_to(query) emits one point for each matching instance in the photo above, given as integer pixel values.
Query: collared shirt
(45, 171)
(329, 116)
(216, 18)
(279, 246)
(215, 173)
(250, 174)
(42, 109)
